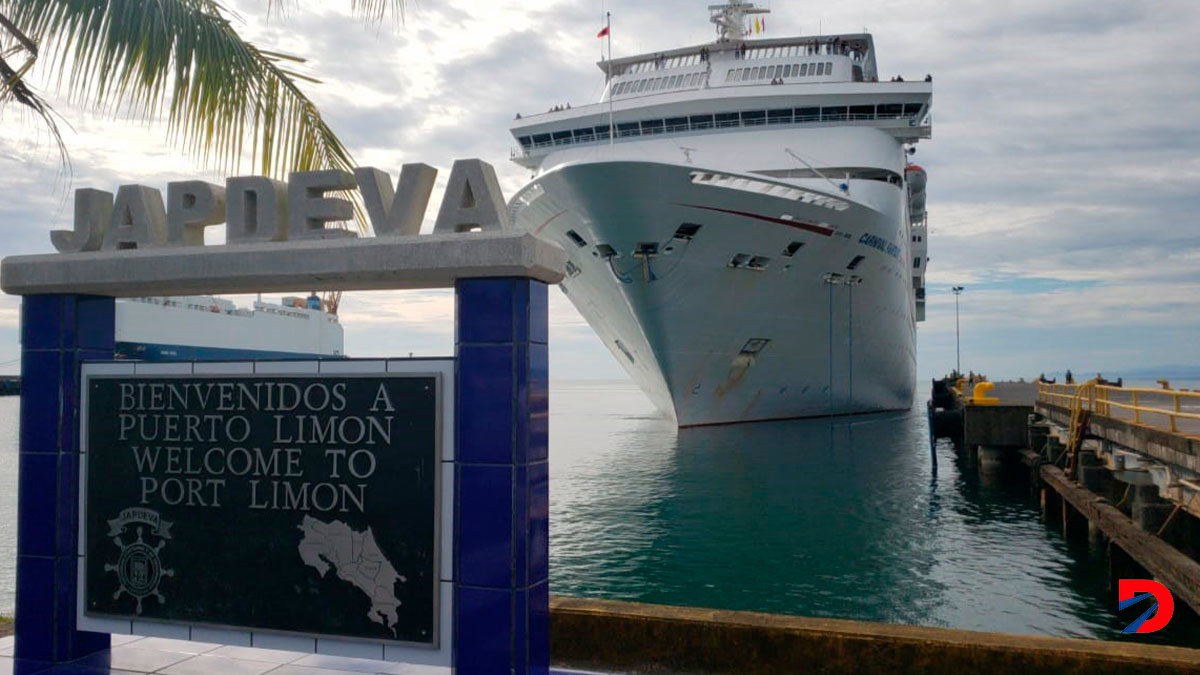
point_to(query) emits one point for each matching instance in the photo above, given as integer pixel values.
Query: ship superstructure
(745, 231)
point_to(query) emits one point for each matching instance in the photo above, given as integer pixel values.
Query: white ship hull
(685, 320)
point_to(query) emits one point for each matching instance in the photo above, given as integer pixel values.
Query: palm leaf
(223, 99)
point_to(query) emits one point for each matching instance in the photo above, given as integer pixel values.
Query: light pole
(957, 290)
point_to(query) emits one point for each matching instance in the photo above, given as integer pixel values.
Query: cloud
(1064, 167)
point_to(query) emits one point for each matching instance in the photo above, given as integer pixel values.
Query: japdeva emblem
(140, 534)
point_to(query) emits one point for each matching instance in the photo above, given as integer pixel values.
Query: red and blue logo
(1132, 591)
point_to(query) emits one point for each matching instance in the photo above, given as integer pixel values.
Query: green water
(842, 517)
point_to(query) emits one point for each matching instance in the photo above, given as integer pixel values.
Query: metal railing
(700, 125)
(1134, 402)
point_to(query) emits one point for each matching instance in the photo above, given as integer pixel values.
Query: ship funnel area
(730, 19)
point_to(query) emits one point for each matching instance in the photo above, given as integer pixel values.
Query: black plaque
(303, 504)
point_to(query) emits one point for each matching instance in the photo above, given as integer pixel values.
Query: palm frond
(14, 88)
(223, 99)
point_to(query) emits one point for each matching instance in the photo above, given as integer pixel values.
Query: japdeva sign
(257, 209)
(303, 504)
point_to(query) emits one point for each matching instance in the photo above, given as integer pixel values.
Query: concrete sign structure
(443, 501)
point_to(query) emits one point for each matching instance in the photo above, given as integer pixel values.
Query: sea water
(839, 517)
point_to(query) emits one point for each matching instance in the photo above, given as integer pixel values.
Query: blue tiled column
(502, 505)
(57, 333)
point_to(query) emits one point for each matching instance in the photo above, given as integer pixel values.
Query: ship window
(854, 263)
(837, 112)
(584, 135)
(562, 137)
(701, 121)
(820, 69)
(539, 139)
(792, 248)
(641, 86)
(606, 251)
(626, 129)
(916, 263)
(732, 74)
(754, 117)
(739, 260)
(746, 73)
(808, 114)
(857, 73)
(787, 70)
(677, 124)
(572, 269)
(758, 262)
(602, 132)
(795, 69)
(862, 112)
(652, 127)
(912, 108)
(889, 110)
(687, 231)
(781, 116)
(574, 237)
(525, 141)
(828, 68)
(727, 120)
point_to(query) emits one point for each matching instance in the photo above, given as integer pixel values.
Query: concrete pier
(630, 637)
(1123, 486)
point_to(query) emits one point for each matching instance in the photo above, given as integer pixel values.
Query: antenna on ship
(730, 19)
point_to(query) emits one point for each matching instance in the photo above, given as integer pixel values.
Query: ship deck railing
(1173, 410)
(652, 129)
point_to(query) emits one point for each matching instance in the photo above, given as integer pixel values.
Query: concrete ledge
(1166, 447)
(426, 261)
(609, 635)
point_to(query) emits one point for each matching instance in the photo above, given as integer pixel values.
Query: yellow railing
(1102, 399)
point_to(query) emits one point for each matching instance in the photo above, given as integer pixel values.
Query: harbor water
(839, 517)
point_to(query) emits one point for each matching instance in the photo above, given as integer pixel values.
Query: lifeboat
(915, 178)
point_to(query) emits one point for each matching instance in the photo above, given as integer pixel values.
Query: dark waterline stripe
(824, 231)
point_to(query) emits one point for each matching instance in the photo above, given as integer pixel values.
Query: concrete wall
(609, 635)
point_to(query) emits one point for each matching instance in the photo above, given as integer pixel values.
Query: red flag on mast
(603, 32)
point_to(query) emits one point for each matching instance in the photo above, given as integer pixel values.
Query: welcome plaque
(299, 504)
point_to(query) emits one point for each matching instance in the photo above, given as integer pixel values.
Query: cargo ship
(206, 328)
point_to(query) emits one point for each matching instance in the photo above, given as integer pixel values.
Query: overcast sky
(1064, 167)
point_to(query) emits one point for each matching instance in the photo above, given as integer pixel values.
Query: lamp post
(957, 290)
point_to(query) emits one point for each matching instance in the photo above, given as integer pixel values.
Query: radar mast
(730, 19)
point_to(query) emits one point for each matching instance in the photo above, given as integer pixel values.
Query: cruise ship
(205, 328)
(745, 230)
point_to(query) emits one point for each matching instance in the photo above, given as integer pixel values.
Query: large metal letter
(93, 213)
(399, 212)
(311, 209)
(138, 219)
(256, 210)
(193, 205)
(473, 199)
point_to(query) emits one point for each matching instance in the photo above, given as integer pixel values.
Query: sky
(1064, 167)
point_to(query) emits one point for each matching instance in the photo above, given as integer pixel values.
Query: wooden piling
(1165, 563)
